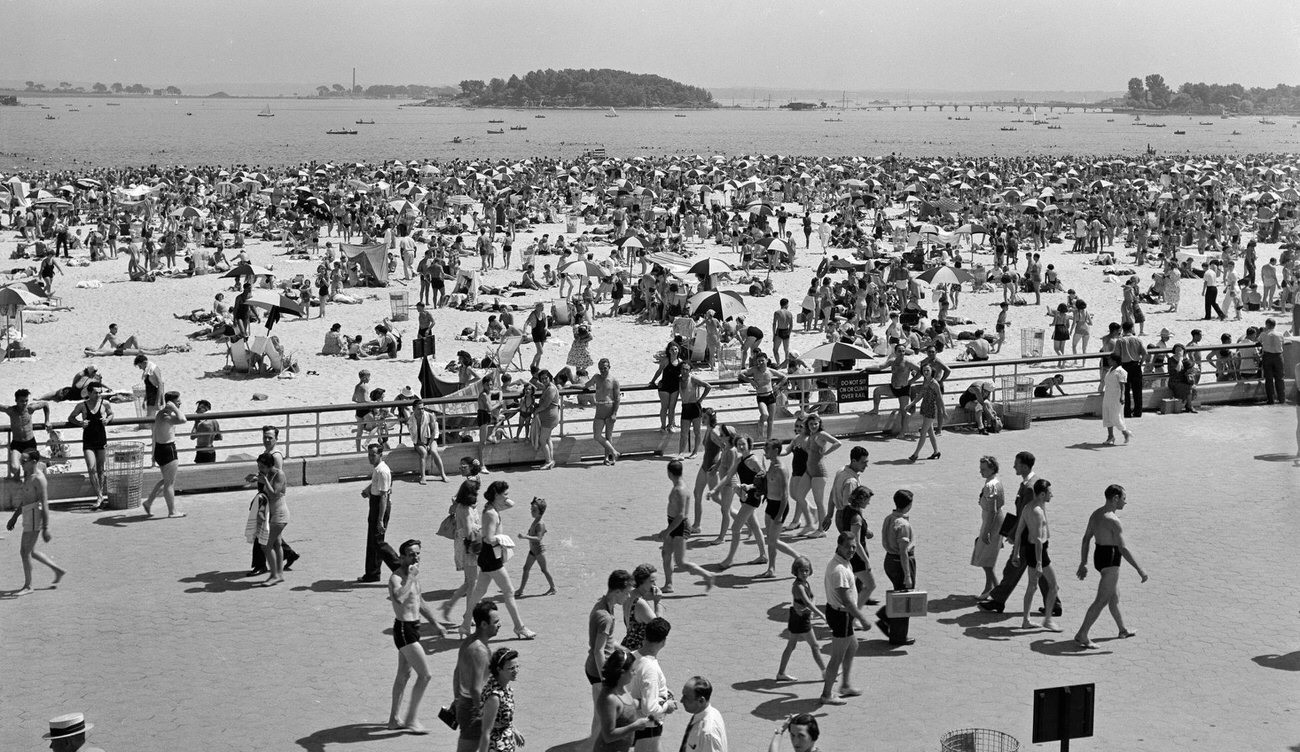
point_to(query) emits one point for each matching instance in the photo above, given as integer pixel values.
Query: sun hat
(407, 391)
(68, 725)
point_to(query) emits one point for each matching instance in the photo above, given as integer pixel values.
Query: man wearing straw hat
(68, 733)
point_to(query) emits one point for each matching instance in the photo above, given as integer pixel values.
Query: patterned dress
(503, 728)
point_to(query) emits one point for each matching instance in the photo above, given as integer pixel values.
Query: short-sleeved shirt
(895, 528)
(381, 479)
(1271, 341)
(839, 574)
(601, 621)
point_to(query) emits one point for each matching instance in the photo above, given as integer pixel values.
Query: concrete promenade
(156, 635)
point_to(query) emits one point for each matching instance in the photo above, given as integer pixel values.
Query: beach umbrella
(585, 268)
(275, 304)
(460, 200)
(629, 241)
(776, 242)
(724, 303)
(707, 267)
(189, 212)
(247, 270)
(88, 184)
(945, 275)
(836, 351)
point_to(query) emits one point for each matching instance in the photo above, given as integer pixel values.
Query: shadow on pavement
(1288, 662)
(220, 582)
(122, 520)
(904, 461)
(578, 745)
(952, 603)
(879, 648)
(335, 586)
(783, 700)
(349, 734)
(1089, 445)
(1066, 647)
(1277, 457)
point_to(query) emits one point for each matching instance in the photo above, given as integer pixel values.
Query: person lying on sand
(112, 345)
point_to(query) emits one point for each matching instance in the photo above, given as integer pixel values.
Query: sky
(828, 45)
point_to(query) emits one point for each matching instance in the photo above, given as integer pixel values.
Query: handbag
(447, 528)
(1008, 525)
(902, 604)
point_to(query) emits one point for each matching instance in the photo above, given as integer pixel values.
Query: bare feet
(26, 590)
(1124, 634)
(394, 725)
(667, 588)
(1084, 643)
(1027, 624)
(145, 506)
(415, 727)
(549, 592)
(58, 575)
(176, 515)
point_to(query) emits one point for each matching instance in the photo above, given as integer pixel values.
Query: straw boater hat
(68, 725)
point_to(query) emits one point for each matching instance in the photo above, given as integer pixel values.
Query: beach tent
(467, 283)
(373, 258)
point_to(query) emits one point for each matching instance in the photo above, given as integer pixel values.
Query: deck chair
(683, 327)
(561, 313)
(274, 360)
(238, 354)
(699, 345)
(258, 347)
(507, 354)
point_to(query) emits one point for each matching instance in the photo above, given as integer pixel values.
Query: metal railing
(335, 430)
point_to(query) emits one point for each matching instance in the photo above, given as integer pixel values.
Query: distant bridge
(986, 106)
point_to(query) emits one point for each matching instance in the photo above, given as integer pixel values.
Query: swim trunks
(901, 391)
(405, 633)
(690, 411)
(777, 509)
(840, 622)
(766, 399)
(679, 531)
(1029, 553)
(22, 446)
(605, 411)
(1104, 557)
(164, 453)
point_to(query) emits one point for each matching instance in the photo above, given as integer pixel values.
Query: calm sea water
(203, 131)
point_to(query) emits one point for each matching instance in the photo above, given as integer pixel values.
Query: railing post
(562, 433)
(316, 413)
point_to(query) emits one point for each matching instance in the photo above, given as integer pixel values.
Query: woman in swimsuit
(800, 481)
(819, 444)
(536, 324)
(766, 382)
(1060, 328)
(642, 607)
(749, 470)
(92, 414)
(271, 484)
(547, 413)
(668, 381)
(491, 565)
(616, 722)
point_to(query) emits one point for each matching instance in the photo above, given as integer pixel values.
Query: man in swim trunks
(34, 509)
(360, 395)
(776, 485)
(153, 385)
(902, 372)
(782, 325)
(694, 390)
(1105, 527)
(118, 346)
(470, 675)
(1033, 551)
(674, 535)
(164, 452)
(607, 398)
(408, 605)
(22, 433)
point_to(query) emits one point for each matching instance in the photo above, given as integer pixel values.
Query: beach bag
(257, 528)
(503, 547)
(58, 451)
(447, 528)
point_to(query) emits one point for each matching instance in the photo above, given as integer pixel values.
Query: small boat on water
(961, 118)
(1053, 127)
(1006, 128)
(540, 117)
(1039, 122)
(1235, 133)
(518, 127)
(497, 131)
(1206, 122)
(834, 120)
(266, 112)
(1110, 120)
(1180, 133)
(1155, 125)
(112, 104)
(1266, 121)
(365, 122)
(679, 116)
(340, 132)
(189, 114)
(50, 117)
(611, 113)
(456, 140)
(496, 121)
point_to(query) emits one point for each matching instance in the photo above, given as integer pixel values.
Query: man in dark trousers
(378, 491)
(1132, 354)
(1012, 572)
(900, 564)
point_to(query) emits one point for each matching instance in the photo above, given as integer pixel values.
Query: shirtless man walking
(408, 605)
(1033, 549)
(164, 452)
(34, 509)
(674, 536)
(1105, 528)
(471, 675)
(782, 325)
(607, 398)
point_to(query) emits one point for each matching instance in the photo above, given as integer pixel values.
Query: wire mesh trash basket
(1031, 342)
(123, 474)
(1016, 401)
(978, 740)
(399, 303)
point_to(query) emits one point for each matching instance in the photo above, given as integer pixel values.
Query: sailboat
(266, 112)
(611, 113)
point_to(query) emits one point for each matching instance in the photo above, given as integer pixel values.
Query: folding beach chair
(507, 354)
(699, 346)
(561, 313)
(683, 327)
(273, 358)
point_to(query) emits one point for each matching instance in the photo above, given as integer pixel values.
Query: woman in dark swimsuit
(536, 324)
(92, 413)
(668, 381)
(748, 471)
(491, 566)
(800, 480)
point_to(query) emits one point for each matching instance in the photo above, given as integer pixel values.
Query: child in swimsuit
(536, 548)
(799, 624)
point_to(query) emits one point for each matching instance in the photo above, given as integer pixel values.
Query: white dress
(1112, 399)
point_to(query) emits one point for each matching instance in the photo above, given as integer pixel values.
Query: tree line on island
(577, 87)
(1153, 93)
(66, 87)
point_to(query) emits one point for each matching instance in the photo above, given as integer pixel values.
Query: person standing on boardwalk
(408, 605)
(1105, 529)
(1270, 344)
(675, 534)
(841, 613)
(378, 492)
(1033, 550)
(153, 385)
(1132, 353)
(776, 497)
(165, 455)
(600, 633)
(607, 397)
(706, 731)
(34, 509)
(1015, 568)
(900, 564)
(649, 687)
(471, 675)
(846, 480)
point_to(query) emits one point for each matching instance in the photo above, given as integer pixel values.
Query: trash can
(399, 305)
(1016, 401)
(123, 474)
(138, 397)
(978, 740)
(1031, 342)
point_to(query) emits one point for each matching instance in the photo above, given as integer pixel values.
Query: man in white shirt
(649, 687)
(1210, 286)
(706, 731)
(841, 612)
(377, 491)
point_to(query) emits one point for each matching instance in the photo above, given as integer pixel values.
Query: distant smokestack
(354, 81)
